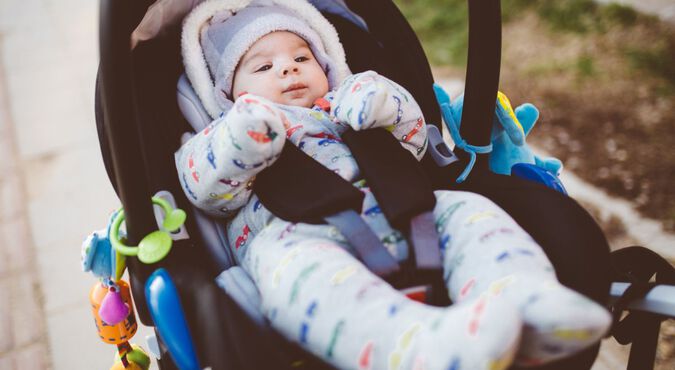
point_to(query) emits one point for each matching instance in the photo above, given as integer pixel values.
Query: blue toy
(98, 255)
(509, 130)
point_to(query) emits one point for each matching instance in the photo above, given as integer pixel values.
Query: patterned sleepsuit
(318, 294)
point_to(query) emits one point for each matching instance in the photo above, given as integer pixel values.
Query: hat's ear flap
(196, 67)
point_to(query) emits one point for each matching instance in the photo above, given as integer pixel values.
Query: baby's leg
(484, 249)
(319, 295)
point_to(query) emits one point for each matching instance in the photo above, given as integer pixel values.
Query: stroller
(203, 323)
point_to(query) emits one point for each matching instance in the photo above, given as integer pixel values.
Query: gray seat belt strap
(368, 246)
(424, 239)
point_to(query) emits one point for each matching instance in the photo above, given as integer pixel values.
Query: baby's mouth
(295, 87)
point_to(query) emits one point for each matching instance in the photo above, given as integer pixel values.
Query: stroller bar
(118, 110)
(641, 327)
(660, 299)
(117, 18)
(482, 75)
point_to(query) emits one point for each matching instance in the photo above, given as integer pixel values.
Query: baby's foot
(479, 334)
(558, 321)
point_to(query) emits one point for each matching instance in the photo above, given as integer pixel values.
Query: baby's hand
(367, 100)
(255, 129)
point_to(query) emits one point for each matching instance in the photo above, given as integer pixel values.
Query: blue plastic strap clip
(443, 100)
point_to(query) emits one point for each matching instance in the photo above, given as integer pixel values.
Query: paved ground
(54, 189)
(22, 325)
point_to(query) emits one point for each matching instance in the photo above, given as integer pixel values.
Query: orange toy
(124, 330)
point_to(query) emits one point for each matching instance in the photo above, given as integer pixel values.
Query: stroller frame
(123, 139)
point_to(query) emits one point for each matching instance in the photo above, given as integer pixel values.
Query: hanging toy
(104, 255)
(113, 309)
(118, 330)
(99, 257)
(116, 324)
(131, 357)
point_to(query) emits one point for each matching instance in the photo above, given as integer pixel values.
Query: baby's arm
(368, 100)
(217, 166)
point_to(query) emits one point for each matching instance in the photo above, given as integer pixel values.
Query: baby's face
(281, 67)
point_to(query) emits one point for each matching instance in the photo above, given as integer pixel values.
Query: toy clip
(156, 245)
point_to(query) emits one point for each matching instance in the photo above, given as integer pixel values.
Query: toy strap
(444, 102)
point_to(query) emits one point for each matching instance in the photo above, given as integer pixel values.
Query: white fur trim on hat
(196, 66)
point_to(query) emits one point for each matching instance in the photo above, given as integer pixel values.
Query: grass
(657, 60)
(603, 77)
(442, 26)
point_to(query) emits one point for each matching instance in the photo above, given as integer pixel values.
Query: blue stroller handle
(167, 313)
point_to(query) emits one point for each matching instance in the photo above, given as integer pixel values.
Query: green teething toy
(156, 245)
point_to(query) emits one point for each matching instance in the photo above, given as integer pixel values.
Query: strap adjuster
(369, 247)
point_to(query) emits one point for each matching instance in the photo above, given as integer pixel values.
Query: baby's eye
(264, 68)
(301, 59)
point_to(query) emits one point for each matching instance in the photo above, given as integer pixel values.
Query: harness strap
(397, 180)
(406, 197)
(368, 246)
(424, 239)
(299, 189)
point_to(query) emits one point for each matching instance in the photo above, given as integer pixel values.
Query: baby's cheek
(263, 93)
(323, 89)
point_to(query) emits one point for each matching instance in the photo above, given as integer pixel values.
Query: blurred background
(602, 74)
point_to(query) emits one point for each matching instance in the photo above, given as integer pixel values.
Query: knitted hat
(218, 33)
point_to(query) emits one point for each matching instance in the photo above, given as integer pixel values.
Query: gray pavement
(22, 325)
(54, 189)
(57, 190)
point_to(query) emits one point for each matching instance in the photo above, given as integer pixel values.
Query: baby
(275, 71)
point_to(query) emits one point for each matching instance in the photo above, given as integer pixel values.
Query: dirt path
(644, 231)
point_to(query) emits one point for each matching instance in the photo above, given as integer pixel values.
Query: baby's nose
(289, 69)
